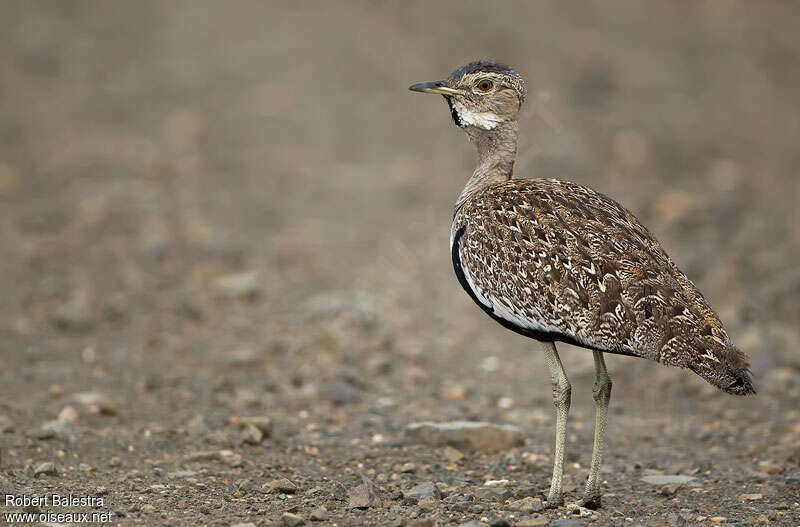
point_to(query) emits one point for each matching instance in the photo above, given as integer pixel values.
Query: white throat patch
(484, 120)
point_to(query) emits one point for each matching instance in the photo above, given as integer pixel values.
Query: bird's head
(481, 94)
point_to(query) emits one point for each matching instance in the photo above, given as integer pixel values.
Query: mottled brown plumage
(574, 264)
(557, 261)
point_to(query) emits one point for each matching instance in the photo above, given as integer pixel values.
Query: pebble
(365, 496)
(247, 524)
(67, 415)
(47, 468)
(526, 505)
(424, 490)
(281, 485)
(750, 497)
(770, 468)
(407, 468)
(319, 515)
(75, 314)
(472, 523)
(718, 519)
(239, 285)
(567, 523)
(667, 479)
(6, 425)
(340, 392)
(476, 435)
(428, 503)
(55, 429)
(453, 454)
(794, 478)
(541, 521)
(499, 522)
(96, 402)
(292, 520)
(670, 489)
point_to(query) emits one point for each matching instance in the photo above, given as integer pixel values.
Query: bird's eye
(484, 85)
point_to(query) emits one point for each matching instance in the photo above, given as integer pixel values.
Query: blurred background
(213, 209)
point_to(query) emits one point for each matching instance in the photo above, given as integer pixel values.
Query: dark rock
(499, 522)
(793, 479)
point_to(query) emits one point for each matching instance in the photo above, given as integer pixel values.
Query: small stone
(281, 485)
(526, 505)
(338, 492)
(247, 524)
(567, 523)
(718, 519)
(96, 402)
(540, 521)
(493, 493)
(292, 520)
(75, 314)
(239, 285)
(67, 415)
(319, 515)
(114, 461)
(472, 523)
(669, 489)
(148, 508)
(467, 434)
(424, 490)
(365, 495)
(428, 503)
(340, 392)
(666, 479)
(497, 483)
(794, 479)
(750, 497)
(228, 456)
(55, 429)
(770, 468)
(252, 435)
(453, 454)
(6, 425)
(499, 522)
(407, 468)
(47, 468)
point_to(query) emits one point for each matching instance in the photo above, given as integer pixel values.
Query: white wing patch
(484, 120)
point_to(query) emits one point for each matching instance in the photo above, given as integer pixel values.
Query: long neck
(497, 149)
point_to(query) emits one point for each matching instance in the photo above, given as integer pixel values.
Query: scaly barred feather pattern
(559, 261)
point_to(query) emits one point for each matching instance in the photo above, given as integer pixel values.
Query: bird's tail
(730, 372)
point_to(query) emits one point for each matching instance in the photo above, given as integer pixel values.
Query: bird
(556, 261)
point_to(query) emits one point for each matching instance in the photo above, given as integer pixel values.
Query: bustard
(557, 261)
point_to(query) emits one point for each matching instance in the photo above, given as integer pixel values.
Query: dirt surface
(213, 212)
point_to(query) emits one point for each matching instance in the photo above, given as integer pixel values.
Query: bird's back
(558, 261)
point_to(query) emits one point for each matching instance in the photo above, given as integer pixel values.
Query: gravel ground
(226, 284)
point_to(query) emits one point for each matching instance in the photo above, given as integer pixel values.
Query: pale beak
(439, 87)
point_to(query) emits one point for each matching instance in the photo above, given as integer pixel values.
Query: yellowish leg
(601, 394)
(561, 399)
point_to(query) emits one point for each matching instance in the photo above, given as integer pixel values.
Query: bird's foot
(553, 502)
(592, 502)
